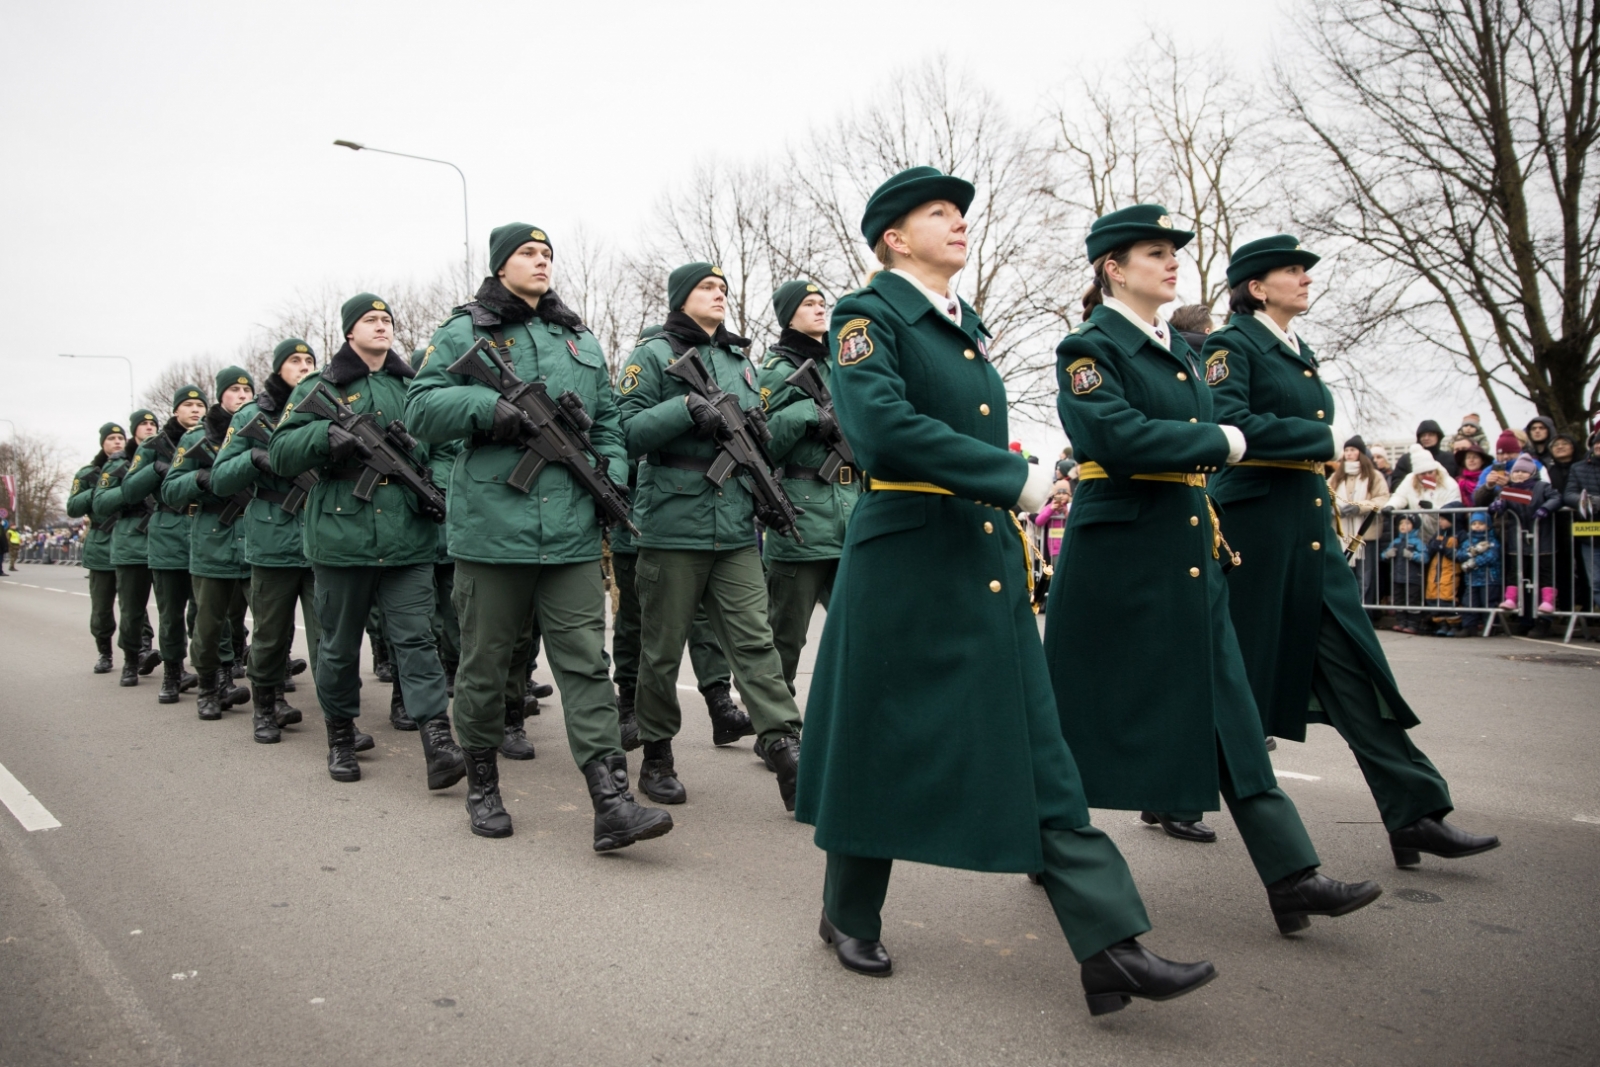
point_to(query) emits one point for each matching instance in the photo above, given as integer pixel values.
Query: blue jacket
(1479, 556)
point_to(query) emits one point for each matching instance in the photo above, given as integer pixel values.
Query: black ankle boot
(1431, 834)
(658, 779)
(208, 705)
(486, 811)
(627, 721)
(1306, 893)
(342, 765)
(515, 744)
(264, 722)
(229, 695)
(398, 717)
(130, 670)
(783, 756)
(382, 666)
(187, 680)
(1127, 969)
(446, 763)
(728, 721)
(171, 678)
(283, 712)
(864, 957)
(149, 659)
(1182, 830)
(103, 664)
(361, 742)
(619, 821)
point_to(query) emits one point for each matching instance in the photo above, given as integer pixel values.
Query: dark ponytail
(1096, 294)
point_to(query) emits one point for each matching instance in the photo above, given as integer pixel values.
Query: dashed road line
(23, 804)
(1297, 776)
(1586, 818)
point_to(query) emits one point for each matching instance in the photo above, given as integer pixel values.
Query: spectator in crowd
(1471, 461)
(1563, 453)
(13, 545)
(1427, 486)
(1541, 431)
(1066, 464)
(1440, 579)
(1193, 322)
(1582, 495)
(1409, 556)
(1380, 461)
(1472, 430)
(1430, 437)
(1497, 474)
(1531, 501)
(1052, 522)
(1479, 556)
(1359, 493)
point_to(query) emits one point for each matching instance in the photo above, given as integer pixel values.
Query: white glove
(1335, 449)
(1036, 490)
(1236, 445)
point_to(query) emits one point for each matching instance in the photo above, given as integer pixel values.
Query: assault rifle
(809, 381)
(552, 431)
(741, 443)
(234, 505)
(260, 431)
(388, 454)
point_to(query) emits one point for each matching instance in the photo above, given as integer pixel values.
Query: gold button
(1194, 572)
(1182, 377)
(983, 409)
(970, 354)
(988, 527)
(1306, 373)
(994, 587)
(1319, 413)
(1316, 546)
(378, 510)
(1194, 520)
(1318, 502)
(1194, 420)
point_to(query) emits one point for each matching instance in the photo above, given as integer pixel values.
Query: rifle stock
(386, 455)
(259, 431)
(809, 381)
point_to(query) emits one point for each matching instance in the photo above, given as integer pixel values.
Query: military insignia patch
(1217, 366)
(177, 457)
(227, 438)
(717, 271)
(105, 480)
(135, 464)
(1165, 222)
(379, 305)
(749, 378)
(572, 346)
(242, 380)
(1083, 377)
(812, 289)
(77, 486)
(352, 398)
(854, 344)
(301, 348)
(766, 395)
(538, 235)
(630, 378)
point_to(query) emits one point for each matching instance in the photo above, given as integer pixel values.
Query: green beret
(1254, 258)
(787, 300)
(228, 377)
(288, 347)
(504, 240)
(1141, 222)
(143, 415)
(909, 189)
(189, 392)
(110, 428)
(351, 311)
(683, 280)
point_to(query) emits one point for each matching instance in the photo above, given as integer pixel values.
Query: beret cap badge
(537, 235)
(717, 271)
(1165, 222)
(379, 305)
(302, 348)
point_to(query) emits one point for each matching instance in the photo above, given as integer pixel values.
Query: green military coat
(341, 531)
(1148, 675)
(96, 554)
(167, 538)
(1280, 522)
(490, 522)
(132, 514)
(216, 550)
(790, 415)
(676, 508)
(272, 536)
(931, 732)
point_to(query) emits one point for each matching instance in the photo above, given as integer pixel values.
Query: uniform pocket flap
(893, 512)
(1108, 507)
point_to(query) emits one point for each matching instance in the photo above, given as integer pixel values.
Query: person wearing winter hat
(1541, 431)
(1471, 461)
(1431, 438)
(1478, 554)
(1307, 641)
(96, 558)
(1582, 495)
(1428, 486)
(1532, 502)
(1507, 449)
(128, 520)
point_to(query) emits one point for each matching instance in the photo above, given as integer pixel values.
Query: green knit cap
(504, 240)
(1255, 258)
(143, 415)
(909, 189)
(231, 376)
(790, 295)
(189, 392)
(1141, 222)
(288, 347)
(681, 282)
(352, 310)
(110, 428)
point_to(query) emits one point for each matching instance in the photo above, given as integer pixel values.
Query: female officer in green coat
(931, 734)
(1142, 535)
(1309, 650)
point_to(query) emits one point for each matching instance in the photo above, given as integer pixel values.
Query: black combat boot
(398, 718)
(728, 720)
(237, 669)
(515, 745)
(171, 678)
(486, 811)
(1306, 893)
(283, 712)
(658, 779)
(230, 696)
(149, 657)
(446, 764)
(361, 742)
(290, 669)
(619, 820)
(103, 664)
(1114, 976)
(208, 705)
(627, 721)
(265, 720)
(784, 757)
(532, 693)
(382, 666)
(342, 765)
(187, 680)
(130, 670)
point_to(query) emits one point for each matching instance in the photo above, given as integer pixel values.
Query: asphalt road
(207, 900)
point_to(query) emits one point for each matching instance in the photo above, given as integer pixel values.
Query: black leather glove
(827, 426)
(342, 444)
(258, 456)
(1426, 504)
(707, 419)
(508, 420)
(202, 478)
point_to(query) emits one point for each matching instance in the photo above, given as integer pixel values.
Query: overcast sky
(169, 177)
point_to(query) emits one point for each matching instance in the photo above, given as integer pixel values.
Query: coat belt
(1089, 470)
(1312, 465)
(878, 484)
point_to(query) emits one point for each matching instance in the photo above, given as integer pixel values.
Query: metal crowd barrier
(1391, 583)
(1575, 568)
(50, 554)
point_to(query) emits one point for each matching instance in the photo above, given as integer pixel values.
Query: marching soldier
(537, 550)
(697, 542)
(167, 540)
(932, 734)
(128, 519)
(216, 548)
(800, 574)
(364, 552)
(1309, 649)
(1134, 402)
(96, 557)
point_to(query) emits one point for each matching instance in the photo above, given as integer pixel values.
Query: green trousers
(102, 608)
(376, 633)
(794, 589)
(705, 654)
(133, 608)
(1271, 828)
(1085, 877)
(174, 595)
(446, 628)
(731, 585)
(524, 657)
(274, 592)
(344, 599)
(1404, 782)
(220, 605)
(493, 602)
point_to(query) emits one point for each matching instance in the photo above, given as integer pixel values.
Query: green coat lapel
(911, 305)
(1267, 341)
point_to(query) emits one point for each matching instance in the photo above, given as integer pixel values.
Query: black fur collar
(801, 347)
(173, 430)
(345, 367)
(690, 332)
(216, 422)
(494, 303)
(129, 449)
(274, 395)
(99, 460)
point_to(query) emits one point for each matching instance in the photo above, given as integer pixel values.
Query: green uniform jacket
(80, 503)
(1280, 522)
(675, 508)
(167, 539)
(1145, 717)
(341, 531)
(132, 513)
(272, 536)
(790, 414)
(931, 734)
(490, 522)
(215, 550)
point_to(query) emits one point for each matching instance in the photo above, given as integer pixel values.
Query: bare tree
(200, 370)
(1447, 146)
(41, 469)
(612, 294)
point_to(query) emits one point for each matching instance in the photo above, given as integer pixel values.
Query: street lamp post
(125, 359)
(466, 225)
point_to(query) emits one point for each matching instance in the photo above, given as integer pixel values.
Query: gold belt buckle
(1195, 480)
(193, 508)
(846, 475)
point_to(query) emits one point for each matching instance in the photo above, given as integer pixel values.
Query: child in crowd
(1531, 501)
(1409, 556)
(1479, 556)
(1441, 576)
(1052, 522)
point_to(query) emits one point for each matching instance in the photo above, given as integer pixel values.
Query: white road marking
(76, 593)
(1558, 644)
(1587, 818)
(1297, 776)
(51, 589)
(29, 812)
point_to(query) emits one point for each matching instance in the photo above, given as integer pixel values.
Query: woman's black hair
(1241, 301)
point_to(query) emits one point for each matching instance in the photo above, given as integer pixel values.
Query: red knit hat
(1507, 442)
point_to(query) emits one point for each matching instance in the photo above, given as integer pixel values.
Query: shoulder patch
(105, 480)
(1217, 367)
(766, 395)
(77, 486)
(226, 439)
(1083, 377)
(630, 379)
(177, 457)
(137, 459)
(854, 344)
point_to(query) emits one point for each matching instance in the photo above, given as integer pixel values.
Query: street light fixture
(125, 359)
(465, 224)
